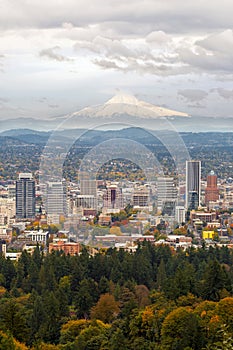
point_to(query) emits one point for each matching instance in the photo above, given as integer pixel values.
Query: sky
(57, 57)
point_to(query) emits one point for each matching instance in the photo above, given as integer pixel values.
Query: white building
(37, 236)
(166, 191)
(86, 201)
(141, 197)
(180, 214)
(56, 202)
(7, 211)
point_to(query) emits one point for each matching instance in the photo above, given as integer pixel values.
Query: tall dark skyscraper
(25, 196)
(193, 184)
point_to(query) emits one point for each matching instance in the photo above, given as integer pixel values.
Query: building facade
(25, 196)
(193, 184)
(113, 200)
(141, 197)
(56, 201)
(166, 192)
(211, 191)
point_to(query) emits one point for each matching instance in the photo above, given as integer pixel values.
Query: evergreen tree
(215, 279)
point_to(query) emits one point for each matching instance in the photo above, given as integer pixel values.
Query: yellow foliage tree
(7, 342)
(115, 230)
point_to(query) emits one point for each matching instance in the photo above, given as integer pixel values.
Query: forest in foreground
(155, 298)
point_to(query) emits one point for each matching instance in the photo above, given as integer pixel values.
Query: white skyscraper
(56, 203)
(166, 191)
(180, 214)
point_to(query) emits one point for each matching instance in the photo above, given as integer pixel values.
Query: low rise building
(37, 236)
(71, 248)
(202, 216)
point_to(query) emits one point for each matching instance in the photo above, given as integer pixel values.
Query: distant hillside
(93, 137)
(18, 132)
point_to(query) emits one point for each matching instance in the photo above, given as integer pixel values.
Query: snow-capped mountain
(127, 105)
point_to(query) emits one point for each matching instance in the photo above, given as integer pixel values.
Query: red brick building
(71, 248)
(211, 191)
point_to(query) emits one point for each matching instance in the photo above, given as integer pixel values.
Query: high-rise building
(88, 188)
(180, 214)
(113, 200)
(141, 197)
(25, 196)
(211, 191)
(86, 201)
(7, 211)
(193, 184)
(88, 184)
(166, 191)
(56, 202)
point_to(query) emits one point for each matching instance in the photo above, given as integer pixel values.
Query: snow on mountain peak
(123, 104)
(123, 99)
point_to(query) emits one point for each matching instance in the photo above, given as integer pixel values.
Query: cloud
(196, 105)
(3, 100)
(43, 100)
(161, 54)
(224, 93)
(105, 46)
(161, 39)
(1, 63)
(212, 54)
(193, 95)
(220, 42)
(158, 38)
(144, 45)
(142, 55)
(53, 106)
(105, 64)
(51, 54)
(169, 16)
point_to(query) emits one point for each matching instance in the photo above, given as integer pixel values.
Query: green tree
(215, 279)
(161, 276)
(86, 297)
(50, 328)
(12, 319)
(36, 318)
(9, 273)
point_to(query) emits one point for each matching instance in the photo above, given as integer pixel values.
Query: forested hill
(93, 137)
(20, 149)
(155, 298)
